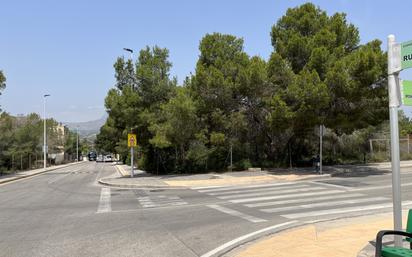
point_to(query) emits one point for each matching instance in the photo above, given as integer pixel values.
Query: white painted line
(377, 187)
(324, 204)
(236, 213)
(205, 187)
(328, 184)
(280, 192)
(256, 190)
(264, 198)
(250, 186)
(304, 200)
(342, 210)
(163, 204)
(245, 237)
(105, 201)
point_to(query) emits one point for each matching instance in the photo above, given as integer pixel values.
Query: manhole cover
(346, 183)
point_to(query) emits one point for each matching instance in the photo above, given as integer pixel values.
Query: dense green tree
(323, 75)
(6, 140)
(21, 140)
(265, 111)
(141, 89)
(177, 126)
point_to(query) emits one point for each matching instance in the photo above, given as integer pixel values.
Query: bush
(243, 164)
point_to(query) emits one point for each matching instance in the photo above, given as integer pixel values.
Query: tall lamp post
(44, 134)
(131, 148)
(77, 143)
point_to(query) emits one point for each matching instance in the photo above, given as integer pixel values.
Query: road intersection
(65, 212)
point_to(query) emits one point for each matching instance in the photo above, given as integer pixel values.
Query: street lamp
(44, 134)
(130, 51)
(131, 60)
(131, 148)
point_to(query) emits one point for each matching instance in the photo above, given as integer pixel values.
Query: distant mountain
(88, 128)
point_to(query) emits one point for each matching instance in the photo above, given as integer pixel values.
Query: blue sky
(67, 48)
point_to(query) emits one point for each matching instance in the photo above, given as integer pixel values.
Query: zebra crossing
(138, 200)
(160, 201)
(299, 200)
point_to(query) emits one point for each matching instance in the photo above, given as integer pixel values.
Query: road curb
(237, 248)
(315, 177)
(244, 240)
(132, 186)
(34, 174)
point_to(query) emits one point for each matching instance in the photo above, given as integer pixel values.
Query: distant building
(57, 152)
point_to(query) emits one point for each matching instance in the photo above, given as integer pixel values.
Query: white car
(108, 158)
(99, 158)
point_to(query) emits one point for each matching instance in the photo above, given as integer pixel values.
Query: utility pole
(44, 134)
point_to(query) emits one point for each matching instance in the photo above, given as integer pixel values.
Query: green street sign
(406, 54)
(407, 92)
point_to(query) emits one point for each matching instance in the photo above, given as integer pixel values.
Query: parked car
(108, 158)
(99, 158)
(92, 156)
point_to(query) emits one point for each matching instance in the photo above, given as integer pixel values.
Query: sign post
(394, 67)
(131, 142)
(321, 134)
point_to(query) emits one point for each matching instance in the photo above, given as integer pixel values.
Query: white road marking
(264, 198)
(241, 187)
(236, 213)
(324, 204)
(304, 200)
(276, 192)
(162, 205)
(376, 187)
(255, 190)
(205, 187)
(328, 184)
(105, 201)
(160, 201)
(342, 210)
(245, 237)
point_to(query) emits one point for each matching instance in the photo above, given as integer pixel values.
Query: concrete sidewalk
(146, 180)
(30, 173)
(340, 238)
(142, 179)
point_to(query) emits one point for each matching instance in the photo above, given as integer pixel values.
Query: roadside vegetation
(267, 111)
(21, 140)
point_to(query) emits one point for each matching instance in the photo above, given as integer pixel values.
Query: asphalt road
(66, 213)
